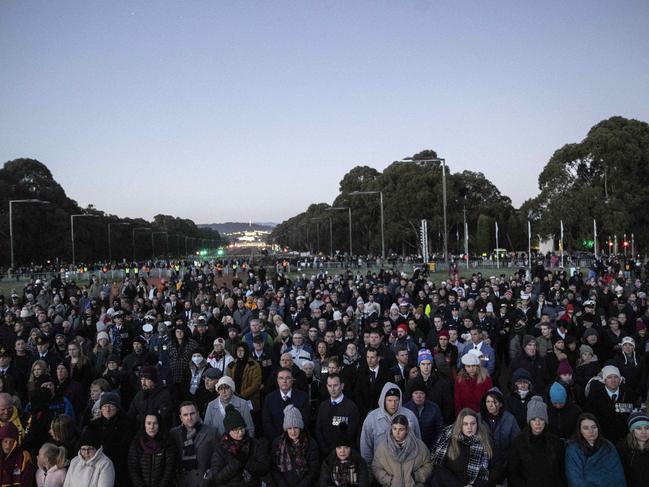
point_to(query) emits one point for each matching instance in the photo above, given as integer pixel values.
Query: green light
(589, 244)
(220, 251)
(203, 252)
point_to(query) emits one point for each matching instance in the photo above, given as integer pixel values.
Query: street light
(443, 161)
(348, 208)
(72, 217)
(110, 253)
(11, 222)
(380, 193)
(133, 236)
(153, 234)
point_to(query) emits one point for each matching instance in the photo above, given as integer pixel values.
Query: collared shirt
(334, 402)
(615, 393)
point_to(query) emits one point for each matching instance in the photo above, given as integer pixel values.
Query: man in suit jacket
(370, 381)
(276, 401)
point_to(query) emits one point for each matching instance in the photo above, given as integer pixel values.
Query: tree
(484, 239)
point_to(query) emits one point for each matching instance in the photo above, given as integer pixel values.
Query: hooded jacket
(378, 422)
(96, 472)
(503, 428)
(16, 467)
(15, 420)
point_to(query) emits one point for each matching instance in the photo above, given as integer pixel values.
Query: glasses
(87, 449)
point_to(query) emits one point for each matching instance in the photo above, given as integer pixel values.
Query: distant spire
(250, 222)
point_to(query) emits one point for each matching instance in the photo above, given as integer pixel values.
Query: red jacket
(469, 392)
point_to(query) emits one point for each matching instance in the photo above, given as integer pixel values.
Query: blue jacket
(430, 421)
(602, 469)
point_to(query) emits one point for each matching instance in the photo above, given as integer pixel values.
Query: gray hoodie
(378, 422)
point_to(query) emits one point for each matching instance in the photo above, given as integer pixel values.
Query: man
(256, 330)
(378, 422)
(195, 443)
(298, 350)
(242, 317)
(215, 412)
(151, 398)
(276, 401)
(338, 409)
(207, 392)
(9, 414)
(529, 360)
(429, 415)
(13, 375)
(399, 373)
(370, 379)
(51, 358)
(612, 404)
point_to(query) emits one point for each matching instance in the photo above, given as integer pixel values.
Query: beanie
(109, 398)
(590, 332)
(225, 381)
(232, 419)
(558, 394)
(417, 384)
(90, 438)
(292, 418)
(424, 354)
(564, 367)
(610, 370)
(526, 340)
(342, 436)
(640, 325)
(403, 327)
(149, 372)
(585, 349)
(536, 408)
(638, 419)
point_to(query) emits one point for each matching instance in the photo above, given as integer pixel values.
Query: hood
(384, 391)
(483, 402)
(9, 430)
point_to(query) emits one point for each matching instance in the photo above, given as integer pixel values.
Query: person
(276, 401)
(195, 443)
(521, 393)
(91, 467)
(369, 381)
(529, 359)
(634, 450)
(238, 460)
(15, 462)
(401, 458)
(429, 415)
(246, 374)
(294, 453)
(333, 412)
(462, 453)
(63, 432)
(534, 443)
(503, 429)
(472, 382)
(52, 466)
(563, 412)
(378, 422)
(151, 398)
(9, 414)
(344, 466)
(591, 460)
(207, 391)
(215, 412)
(152, 456)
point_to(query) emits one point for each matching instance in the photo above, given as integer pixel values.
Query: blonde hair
(480, 377)
(456, 434)
(55, 455)
(43, 365)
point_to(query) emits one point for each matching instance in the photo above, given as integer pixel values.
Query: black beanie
(233, 419)
(342, 436)
(90, 438)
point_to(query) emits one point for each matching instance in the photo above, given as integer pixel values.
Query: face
(399, 432)
(343, 453)
(293, 433)
(523, 385)
(391, 404)
(426, 366)
(589, 430)
(334, 387)
(641, 434)
(472, 370)
(147, 384)
(418, 397)
(493, 405)
(108, 411)
(402, 357)
(95, 391)
(38, 371)
(285, 381)
(6, 409)
(537, 425)
(188, 416)
(241, 352)
(237, 434)
(372, 359)
(530, 349)
(612, 382)
(61, 373)
(151, 426)
(87, 452)
(286, 361)
(225, 393)
(8, 445)
(469, 426)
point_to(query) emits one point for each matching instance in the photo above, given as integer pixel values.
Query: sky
(251, 110)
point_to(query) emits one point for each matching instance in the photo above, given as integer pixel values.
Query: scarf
(238, 449)
(149, 445)
(344, 474)
(188, 460)
(402, 452)
(477, 469)
(292, 455)
(347, 360)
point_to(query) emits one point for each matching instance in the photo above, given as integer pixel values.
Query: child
(15, 463)
(52, 466)
(344, 467)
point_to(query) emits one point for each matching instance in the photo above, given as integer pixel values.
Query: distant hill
(234, 227)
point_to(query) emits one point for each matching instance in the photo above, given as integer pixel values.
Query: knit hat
(109, 398)
(417, 384)
(9, 430)
(424, 354)
(90, 438)
(526, 340)
(610, 370)
(590, 332)
(585, 349)
(637, 419)
(292, 418)
(558, 394)
(536, 408)
(564, 367)
(282, 328)
(403, 327)
(102, 334)
(149, 372)
(470, 359)
(225, 381)
(233, 419)
(393, 391)
(626, 340)
(443, 333)
(342, 437)
(521, 374)
(640, 325)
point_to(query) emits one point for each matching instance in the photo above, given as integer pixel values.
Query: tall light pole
(110, 250)
(380, 193)
(153, 234)
(349, 209)
(72, 217)
(11, 222)
(133, 237)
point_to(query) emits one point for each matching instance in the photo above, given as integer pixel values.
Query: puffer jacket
(414, 471)
(291, 478)
(152, 470)
(156, 400)
(226, 470)
(524, 467)
(96, 472)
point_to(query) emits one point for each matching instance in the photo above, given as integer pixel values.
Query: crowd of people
(353, 379)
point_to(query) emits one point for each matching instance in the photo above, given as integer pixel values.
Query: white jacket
(96, 472)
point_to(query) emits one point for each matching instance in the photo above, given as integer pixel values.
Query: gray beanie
(292, 418)
(536, 408)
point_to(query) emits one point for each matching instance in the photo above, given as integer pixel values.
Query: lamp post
(133, 237)
(349, 209)
(110, 253)
(11, 222)
(72, 217)
(380, 193)
(153, 234)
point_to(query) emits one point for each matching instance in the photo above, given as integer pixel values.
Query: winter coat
(53, 477)
(563, 422)
(180, 355)
(430, 421)
(204, 446)
(227, 470)
(96, 472)
(291, 478)
(635, 464)
(378, 423)
(155, 400)
(524, 468)
(214, 416)
(414, 471)
(115, 435)
(612, 415)
(362, 472)
(601, 469)
(504, 430)
(250, 382)
(152, 469)
(468, 393)
(518, 407)
(273, 412)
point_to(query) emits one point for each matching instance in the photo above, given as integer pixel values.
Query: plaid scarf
(478, 467)
(344, 474)
(291, 455)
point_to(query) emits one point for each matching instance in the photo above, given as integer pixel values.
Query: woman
(634, 450)
(534, 443)
(100, 353)
(462, 453)
(320, 362)
(152, 457)
(344, 467)
(402, 459)
(15, 462)
(281, 343)
(472, 382)
(52, 466)
(294, 453)
(238, 460)
(181, 349)
(91, 467)
(591, 460)
(39, 369)
(246, 374)
(219, 358)
(91, 411)
(79, 366)
(63, 432)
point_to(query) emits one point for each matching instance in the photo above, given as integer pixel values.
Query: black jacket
(115, 435)
(367, 392)
(635, 464)
(152, 470)
(524, 466)
(227, 470)
(273, 411)
(330, 417)
(362, 471)
(156, 400)
(291, 478)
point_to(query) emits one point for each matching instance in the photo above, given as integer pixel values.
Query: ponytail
(61, 457)
(55, 455)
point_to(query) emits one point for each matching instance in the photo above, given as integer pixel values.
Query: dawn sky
(236, 110)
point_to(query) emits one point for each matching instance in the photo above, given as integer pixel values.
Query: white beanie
(610, 370)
